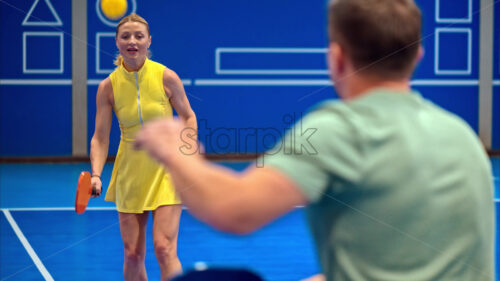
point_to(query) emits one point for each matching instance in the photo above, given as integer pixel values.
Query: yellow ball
(114, 9)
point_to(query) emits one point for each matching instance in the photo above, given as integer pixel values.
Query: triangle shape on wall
(42, 15)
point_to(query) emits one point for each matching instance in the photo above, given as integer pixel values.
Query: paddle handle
(94, 190)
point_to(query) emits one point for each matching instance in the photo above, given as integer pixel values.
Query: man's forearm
(209, 191)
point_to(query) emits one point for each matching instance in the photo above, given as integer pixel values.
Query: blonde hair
(136, 18)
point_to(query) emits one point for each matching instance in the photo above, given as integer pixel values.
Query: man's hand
(167, 140)
(317, 277)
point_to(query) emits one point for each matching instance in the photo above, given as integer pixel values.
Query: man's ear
(421, 53)
(336, 60)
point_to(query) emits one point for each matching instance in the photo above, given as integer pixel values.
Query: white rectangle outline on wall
(61, 52)
(439, 71)
(98, 36)
(219, 51)
(454, 20)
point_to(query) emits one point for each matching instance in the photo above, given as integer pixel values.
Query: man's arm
(229, 201)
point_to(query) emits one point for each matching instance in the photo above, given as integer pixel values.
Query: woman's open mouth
(132, 51)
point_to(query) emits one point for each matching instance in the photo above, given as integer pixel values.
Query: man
(396, 188)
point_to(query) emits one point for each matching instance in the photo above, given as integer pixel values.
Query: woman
(137, 91)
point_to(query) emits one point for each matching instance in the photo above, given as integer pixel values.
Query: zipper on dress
(138, 98)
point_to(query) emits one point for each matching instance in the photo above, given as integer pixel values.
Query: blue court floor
(42, 238)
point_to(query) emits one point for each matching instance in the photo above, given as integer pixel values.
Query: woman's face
(133, 41)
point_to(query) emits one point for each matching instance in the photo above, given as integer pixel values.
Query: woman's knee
(134, 254)
(165, 248)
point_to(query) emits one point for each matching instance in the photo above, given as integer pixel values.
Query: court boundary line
(246, 82)
(60, 82)
(29, 209)
(59, 209)
(37, 82)
(27, 246)
(326, 82)
(263, 82)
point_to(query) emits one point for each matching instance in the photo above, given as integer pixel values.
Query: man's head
(376, 38)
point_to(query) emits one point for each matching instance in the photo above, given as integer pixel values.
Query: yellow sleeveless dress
(138, 183)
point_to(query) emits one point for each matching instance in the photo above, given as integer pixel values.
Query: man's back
(405, 191)
(397, 189)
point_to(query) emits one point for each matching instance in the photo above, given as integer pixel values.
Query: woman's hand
(96, 185)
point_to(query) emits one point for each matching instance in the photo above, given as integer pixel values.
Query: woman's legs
(133, 231)
(165, 230)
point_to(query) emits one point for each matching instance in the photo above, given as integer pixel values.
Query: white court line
(186, 82)
(60, 82)
(48, 82)
(27, 246)
(64, 209)
(61, 209)
(322, 82)
(93, 82)
(248, 82)
(441, 82)
(73, 208)
(262, 82)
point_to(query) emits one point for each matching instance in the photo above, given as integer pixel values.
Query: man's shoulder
(328, 109)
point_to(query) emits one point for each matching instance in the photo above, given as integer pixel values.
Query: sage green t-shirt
(399, 189)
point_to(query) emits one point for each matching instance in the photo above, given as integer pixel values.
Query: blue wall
(36, 120)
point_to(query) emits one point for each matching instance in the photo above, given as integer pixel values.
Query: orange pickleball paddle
(83, 192)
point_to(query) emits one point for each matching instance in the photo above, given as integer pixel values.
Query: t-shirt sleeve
(318, 153)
